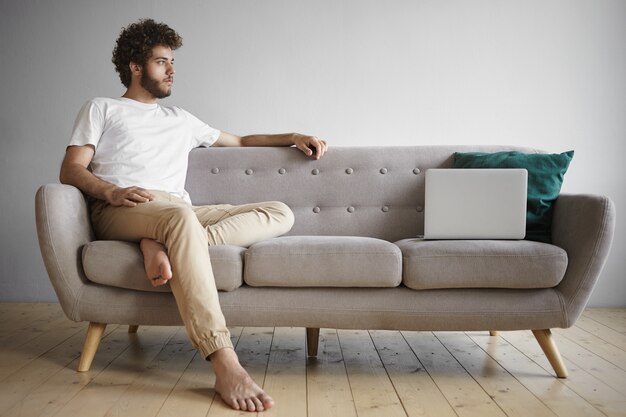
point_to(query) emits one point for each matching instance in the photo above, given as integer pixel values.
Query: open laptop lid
(475, 203)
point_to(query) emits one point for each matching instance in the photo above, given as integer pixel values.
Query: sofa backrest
(351, 191)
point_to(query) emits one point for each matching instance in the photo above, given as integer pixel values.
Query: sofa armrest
(63, 227)
(583, 225)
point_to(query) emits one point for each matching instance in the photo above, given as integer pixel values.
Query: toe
(250, 404)
(166, 271)
(156, 282)
(267, 401)
(258, 405)
(232, 402)
(242, 405)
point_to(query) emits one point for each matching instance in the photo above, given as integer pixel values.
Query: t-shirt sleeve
(202, 134)
(88, 126)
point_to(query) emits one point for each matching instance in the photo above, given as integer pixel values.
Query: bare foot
(156, 262)
(235, 386)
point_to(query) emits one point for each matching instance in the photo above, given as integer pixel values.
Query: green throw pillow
(545, 177)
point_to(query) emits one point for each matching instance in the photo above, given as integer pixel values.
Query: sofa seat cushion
(323, 261)
(436, 264)
(120, 264)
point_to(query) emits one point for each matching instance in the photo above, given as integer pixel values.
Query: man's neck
(139, 94)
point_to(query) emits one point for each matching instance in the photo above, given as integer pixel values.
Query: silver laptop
(475, 203)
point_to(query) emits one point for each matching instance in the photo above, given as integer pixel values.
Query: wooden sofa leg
(133, 328)
(94, 334)
(312, 340)
(493, 332)
(544, 337)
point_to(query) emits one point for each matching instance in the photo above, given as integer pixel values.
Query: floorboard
(372, 390)
(328, 387)
(554, 394)
(504, 389)
(415, 387)
(146, 394)
(103, 392)
(466, 396)
(357, 373)
(601, 395)
(286, 373)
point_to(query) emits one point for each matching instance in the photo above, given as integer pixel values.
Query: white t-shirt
(139, 144)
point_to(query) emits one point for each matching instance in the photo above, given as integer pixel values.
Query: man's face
(157, 74)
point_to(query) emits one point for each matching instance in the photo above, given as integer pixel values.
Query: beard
(153, 86)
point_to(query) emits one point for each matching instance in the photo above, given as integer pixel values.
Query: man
(129, 155)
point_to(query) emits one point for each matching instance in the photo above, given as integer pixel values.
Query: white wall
(548, 74)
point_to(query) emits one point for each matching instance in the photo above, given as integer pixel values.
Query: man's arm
(302, 142)
(74, 172)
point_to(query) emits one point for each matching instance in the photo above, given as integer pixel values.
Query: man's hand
(310, 145)
(129, 196)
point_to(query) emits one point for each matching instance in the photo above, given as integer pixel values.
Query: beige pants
(186, 231)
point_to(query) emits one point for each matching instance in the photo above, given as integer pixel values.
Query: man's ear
(135, 68)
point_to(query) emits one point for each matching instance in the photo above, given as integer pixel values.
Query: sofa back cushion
(366, 191)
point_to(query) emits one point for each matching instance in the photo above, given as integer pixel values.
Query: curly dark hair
(135, 44)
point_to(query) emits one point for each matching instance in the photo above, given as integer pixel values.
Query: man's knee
(182, 218)
(283, 214)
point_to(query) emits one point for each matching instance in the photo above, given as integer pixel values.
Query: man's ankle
(225, 354)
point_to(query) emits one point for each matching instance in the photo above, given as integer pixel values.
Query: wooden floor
(156, 372)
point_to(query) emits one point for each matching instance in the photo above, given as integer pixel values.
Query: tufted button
(316, 209)
(215, 170)
(282, 171)
(383, 170)
(249, 171)
(419, 209)
(315, 171)
(349, 171)
(350, 209)
(416, 171)
(385, 209)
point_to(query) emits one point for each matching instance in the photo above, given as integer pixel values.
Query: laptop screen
(475, 203)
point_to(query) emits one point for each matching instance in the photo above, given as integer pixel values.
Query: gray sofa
(353, 259)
